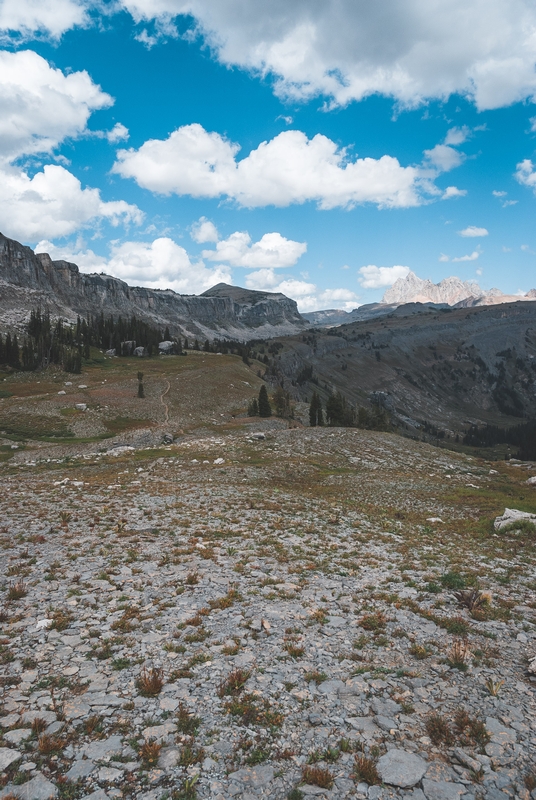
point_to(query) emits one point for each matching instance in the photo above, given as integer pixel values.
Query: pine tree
(265, 409)
(253, 408)
(141, 392)
(316, 417)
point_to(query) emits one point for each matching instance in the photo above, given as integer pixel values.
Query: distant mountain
(413, 295)
(429, 365)
(29, 280)
(452, 291)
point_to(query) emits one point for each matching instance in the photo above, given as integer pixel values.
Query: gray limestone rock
(38, 788)
(442, 790)
(104, 749)
(8, 757)
(255, 777)
(400, 768)
(81, 768)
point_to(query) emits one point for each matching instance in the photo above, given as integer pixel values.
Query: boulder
(400, 768)
(111, 352)
(127, 348)
(511, 516)
(166, 348)
(141, 352)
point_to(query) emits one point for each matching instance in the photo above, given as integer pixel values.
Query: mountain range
(30, 280)
(450, 292)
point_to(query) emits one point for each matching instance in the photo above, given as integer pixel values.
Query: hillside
(29, 280)
(444, 367)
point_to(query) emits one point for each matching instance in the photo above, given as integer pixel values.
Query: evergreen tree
(141, 392)
(265, 409)
(316, 416)
(253, 408)
(338, 412)
(282, 403)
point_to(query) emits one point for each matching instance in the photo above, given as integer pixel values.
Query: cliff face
(28, 280)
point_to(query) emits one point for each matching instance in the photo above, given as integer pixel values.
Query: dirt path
(166, 407)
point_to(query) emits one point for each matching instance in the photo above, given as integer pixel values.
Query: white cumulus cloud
(40, 106)
(119, 133)
(307, 295)
(51, 17)
(443, 158)
(204, 231)
(411, 50)
(373, 277)
(453, 191)
(471, 257)
(53, 203)
(472, 231)
(160, 264)
(290, 168)
(271, 251)
(349, 49)
(526, 174)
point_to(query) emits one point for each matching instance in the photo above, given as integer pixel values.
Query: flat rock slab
(500, 734)
(364, 724)
(100, 794)
(256, 777)
(105, 749)
(159, 732)
(442, 790)
(7, 757)
(80, 769)
(400, 768)
(17, 736)
(39, 788)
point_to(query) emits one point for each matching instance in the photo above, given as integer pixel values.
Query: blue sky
(321, 149)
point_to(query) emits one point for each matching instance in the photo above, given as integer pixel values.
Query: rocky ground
(233, 616)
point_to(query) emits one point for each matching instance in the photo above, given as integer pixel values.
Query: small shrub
(190, 755)
(438, 729)
(419, 651)
(294, 794)
(187, 790)
(17, 590)
(234, 683)
(373, 622)
(192, 578)
(187, 723)
(365, 770)
(47, 744)
(316, 676)
(61, 620)
(459, 655)
(316, 776)
(470, 730)
(93, 725)
(453, 580)
(294, 650)
(494, 687)
(65, 518)
(530, 779)
(472, 598)
(150, 753)
(39, 725)
(457, 626)
(120, 663)
(150, 681)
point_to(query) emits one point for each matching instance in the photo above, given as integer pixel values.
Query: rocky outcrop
(28, 280)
